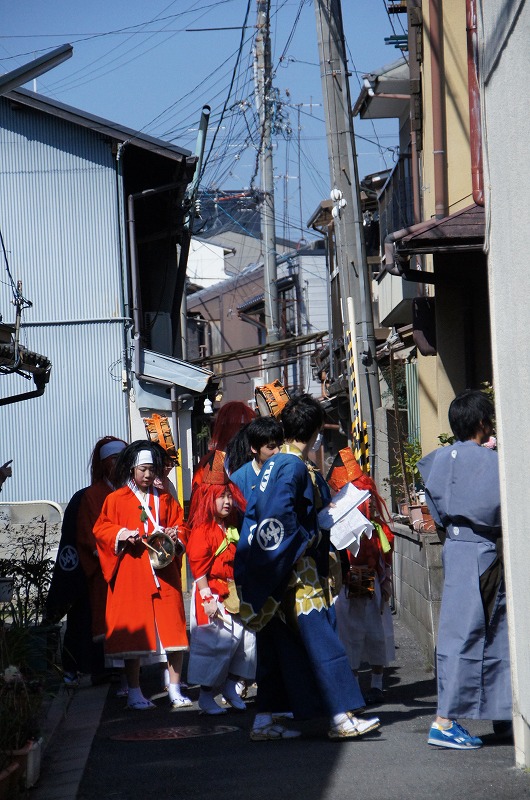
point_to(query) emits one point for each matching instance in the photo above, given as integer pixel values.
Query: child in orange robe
(222, 651)
(145, 609)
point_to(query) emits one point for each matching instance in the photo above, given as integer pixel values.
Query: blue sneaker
(455, 737)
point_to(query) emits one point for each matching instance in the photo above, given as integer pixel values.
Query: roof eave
(105, 127)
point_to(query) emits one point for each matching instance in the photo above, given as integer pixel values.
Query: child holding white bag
(222, 651)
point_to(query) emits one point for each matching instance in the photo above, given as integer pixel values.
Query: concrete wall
(418, 582)
(505, 66)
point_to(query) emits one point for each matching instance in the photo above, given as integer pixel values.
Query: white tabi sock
(165, 679)
(262, 720)
(343, 720)
(174, 691)
(135, 695)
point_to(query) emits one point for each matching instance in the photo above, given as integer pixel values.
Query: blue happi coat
(280, 525)
(280, 570)
(473, 668)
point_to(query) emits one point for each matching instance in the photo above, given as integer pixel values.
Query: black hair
(126, 460)
(238, 450)
(263, 430)
(301, 418)
(467, 411)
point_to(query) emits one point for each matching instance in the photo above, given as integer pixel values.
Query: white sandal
(353, 727)
(180, 702)
(271, 732)
(140, 705)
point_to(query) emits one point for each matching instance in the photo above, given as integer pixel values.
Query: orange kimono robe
(202, 544)
(89, 510)
(141, 602)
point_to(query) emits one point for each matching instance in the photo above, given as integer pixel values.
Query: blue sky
(152, 66)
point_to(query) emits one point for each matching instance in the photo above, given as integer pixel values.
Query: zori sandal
(140, 705)
(272, 732)
(353, 727)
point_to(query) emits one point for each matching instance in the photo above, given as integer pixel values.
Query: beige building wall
(438, 378)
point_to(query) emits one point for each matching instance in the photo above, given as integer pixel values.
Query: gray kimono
(473, 667)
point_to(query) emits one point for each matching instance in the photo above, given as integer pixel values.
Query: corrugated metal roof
(105, 127)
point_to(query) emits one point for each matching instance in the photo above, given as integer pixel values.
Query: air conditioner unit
(159, 330)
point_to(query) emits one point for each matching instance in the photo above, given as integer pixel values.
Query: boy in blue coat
(281, 569)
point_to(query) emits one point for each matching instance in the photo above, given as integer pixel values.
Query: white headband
(143, 457)
(111, 449)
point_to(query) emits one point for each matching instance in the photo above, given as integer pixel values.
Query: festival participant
(222, 652)
(264, 436)
(237, 451)
(145, 609)
(229, 419)
(78, 588)
(103, 460)
(463, 494)
(281, 570)
(364, 620)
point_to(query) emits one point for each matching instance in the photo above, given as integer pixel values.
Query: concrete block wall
(418, 582)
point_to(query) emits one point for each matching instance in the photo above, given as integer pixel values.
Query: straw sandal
(272, 732)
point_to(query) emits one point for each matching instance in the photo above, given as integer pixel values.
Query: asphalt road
(185, 756)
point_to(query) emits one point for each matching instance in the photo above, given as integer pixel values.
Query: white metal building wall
(60, 223)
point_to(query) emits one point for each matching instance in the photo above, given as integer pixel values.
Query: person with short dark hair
(463, 494)
(281, 571)
(264, 436)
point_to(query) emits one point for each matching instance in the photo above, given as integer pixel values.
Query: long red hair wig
(202, 506)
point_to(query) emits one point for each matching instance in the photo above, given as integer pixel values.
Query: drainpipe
(438, 129)
(390, 254)
(475, 135)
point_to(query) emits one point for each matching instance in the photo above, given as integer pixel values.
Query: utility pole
(264, 86)
(354, 278)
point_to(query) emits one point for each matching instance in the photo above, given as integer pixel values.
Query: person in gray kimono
(463, 494)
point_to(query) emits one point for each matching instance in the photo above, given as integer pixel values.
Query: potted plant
(405, 478)
(28, 562)
(20, 708)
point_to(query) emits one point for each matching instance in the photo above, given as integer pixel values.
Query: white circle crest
(270, 533)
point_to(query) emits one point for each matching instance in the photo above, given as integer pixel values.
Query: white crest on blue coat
(270, 533)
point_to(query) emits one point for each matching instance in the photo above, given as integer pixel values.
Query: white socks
(262, 720)
(165, 679)
(344, 720)
(136, 695)
(174, 692)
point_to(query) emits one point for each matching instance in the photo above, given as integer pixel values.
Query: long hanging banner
(361, 447)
